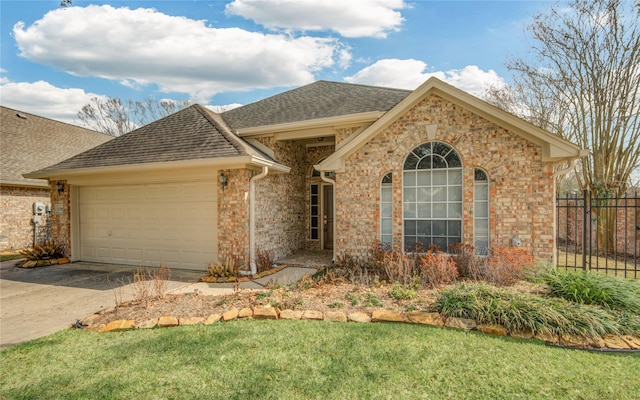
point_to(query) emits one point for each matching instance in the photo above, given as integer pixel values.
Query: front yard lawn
(247, 359)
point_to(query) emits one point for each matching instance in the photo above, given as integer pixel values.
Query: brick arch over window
(432, 196)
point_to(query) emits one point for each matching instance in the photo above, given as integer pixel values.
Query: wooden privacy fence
(600, 233)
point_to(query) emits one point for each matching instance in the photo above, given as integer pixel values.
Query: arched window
(481, 212)
(386, 210)
(432, 196)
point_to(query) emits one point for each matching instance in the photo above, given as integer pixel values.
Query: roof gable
(29, 142)
(318, 100)
(555, 148)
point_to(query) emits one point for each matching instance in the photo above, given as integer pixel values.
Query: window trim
(386, 186)
(442, 156)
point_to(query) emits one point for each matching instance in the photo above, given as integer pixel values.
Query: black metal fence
(599, 233)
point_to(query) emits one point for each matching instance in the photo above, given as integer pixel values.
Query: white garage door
(170, 224)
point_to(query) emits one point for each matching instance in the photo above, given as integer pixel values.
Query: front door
(327, 216)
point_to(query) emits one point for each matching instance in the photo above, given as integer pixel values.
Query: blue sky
(223, 53)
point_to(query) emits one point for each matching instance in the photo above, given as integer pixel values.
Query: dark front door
(327, 216)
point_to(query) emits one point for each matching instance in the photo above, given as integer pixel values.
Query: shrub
(264, 260)
(230, 267)
(519, 311)
(469, 265)
(46, 251)
(506, 265)
(150, 284)
(436, 268)
(400, 293)
(590, 288)
(355, 270)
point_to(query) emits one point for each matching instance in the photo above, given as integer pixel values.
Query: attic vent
(19, 115)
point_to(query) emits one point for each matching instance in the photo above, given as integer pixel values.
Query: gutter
(252, 218)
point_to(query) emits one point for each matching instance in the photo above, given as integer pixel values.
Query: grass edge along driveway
(308, 359)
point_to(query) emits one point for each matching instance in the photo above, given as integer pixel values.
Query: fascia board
(343, 120)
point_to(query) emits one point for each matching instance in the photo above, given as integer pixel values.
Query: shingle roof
(29, 142)
(192, 133)
(321, 99)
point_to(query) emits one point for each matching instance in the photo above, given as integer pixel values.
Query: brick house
(29, 142)
(327, 166)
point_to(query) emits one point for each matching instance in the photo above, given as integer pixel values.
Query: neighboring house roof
(554, 148)
(29, 142)
(316, 101)
(194, 133)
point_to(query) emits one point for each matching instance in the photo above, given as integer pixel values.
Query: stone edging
(43, 263)
(608, 342)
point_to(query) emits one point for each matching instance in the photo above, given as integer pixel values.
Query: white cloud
(143, 47)
(410, 73)
(43, 99)
(349, 18)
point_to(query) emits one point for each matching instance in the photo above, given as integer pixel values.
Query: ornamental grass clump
(590, 288)
(518, 311)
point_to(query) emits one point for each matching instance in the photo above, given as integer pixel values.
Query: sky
(222, 54)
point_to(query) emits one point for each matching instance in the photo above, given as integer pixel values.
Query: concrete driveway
(40, 301)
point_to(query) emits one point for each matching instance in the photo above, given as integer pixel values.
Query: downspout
(333, 200)
(252, 218)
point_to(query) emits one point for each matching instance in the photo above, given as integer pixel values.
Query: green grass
(10, 256)
(251, 359)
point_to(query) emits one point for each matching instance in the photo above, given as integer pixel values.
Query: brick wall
(521, 184)
(61, 224)
(233, 216)
(16, 213)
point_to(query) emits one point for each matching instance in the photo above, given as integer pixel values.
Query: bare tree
(582, 81)
(116, 117)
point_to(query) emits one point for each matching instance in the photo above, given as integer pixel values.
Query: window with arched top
(432, 197)
(481, 212)
(386, 210)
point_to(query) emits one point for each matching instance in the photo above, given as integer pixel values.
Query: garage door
(170, 224)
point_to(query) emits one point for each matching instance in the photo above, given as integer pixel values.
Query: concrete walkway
(40, 301)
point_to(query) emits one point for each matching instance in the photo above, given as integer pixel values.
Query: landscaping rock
(63, 260)
(265, 313)
(359, 317)
(191, 321)
(547, 337)
(29, 264)
(633, 343)
(90, 319)
(615, 342)
(167, 321)
(94, 328)
(386, 316)
(148, 324)
(212, 318)
(492, 329)
(312, 314)
(525, 334)
(335, 316)
(596, 343)
(461, 323)
(573, 341)
(290, 314)
(119, 325)
(231, 314)
(245, 313)
(425, 318)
